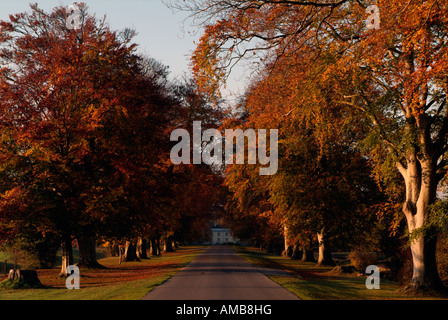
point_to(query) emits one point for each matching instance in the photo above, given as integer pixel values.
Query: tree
(249, 213)
(322, 181)
(393, 75)
(197, 189)
(77, 106)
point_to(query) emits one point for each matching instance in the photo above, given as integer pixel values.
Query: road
(220, 274)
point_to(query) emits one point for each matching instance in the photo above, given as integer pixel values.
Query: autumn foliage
(352, 102)
(83, 139)
(361, 114)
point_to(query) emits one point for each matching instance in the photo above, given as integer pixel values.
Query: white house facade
(222, 236)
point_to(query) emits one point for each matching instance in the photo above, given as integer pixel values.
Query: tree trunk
(120, 253)
(288, 250)
(26, 277)
(155, 247)
(114, 250)
(130, 252)
(421, 186)
(325, 258)
(425, 274)
(307, 255)
(87, 252)
(141, 248)
(169, 244)
(67, 256)
(296, 253)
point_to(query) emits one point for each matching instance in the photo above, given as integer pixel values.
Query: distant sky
(162, 34)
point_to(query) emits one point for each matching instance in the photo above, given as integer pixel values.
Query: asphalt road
(220, 274)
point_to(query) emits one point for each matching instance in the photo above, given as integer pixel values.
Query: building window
(219, 233)
(219, 239)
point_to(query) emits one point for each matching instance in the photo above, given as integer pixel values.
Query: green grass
(109, 284)
(4, 256)
(343, 288)
(17, 284)
(133, 290)
(311, 282)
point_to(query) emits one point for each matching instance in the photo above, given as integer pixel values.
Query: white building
(222, 235)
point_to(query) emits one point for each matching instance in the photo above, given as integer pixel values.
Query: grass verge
(311, 282)
(126, 281)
